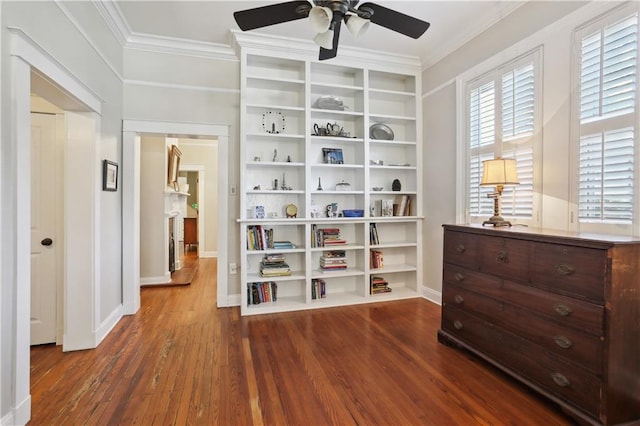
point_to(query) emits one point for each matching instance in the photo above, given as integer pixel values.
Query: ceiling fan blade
(259, 17)
(396, 21)
(332, 53)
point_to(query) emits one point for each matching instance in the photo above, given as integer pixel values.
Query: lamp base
(496, 221)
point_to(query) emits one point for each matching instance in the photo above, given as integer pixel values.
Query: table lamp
(498, 172)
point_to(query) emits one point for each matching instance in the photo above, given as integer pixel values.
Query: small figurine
(319, 188)
(288, 158)
(396, 185)
(275, 155)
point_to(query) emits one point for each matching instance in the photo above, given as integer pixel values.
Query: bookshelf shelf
(289, 88)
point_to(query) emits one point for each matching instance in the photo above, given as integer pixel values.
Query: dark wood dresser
(558, 311)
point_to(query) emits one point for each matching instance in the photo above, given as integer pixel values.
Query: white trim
(159, 280)
(182, 86)
(209, 254)
(108, 324)
(438, 88)
(179, 46)
(84, 34)
(432, 295)
(112, 15)
(34, 54)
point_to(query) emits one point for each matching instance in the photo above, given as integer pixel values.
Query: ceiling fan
(326, 17)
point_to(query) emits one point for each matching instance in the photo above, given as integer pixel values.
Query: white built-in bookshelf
(280, 120)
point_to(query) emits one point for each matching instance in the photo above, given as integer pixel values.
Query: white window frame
(593, 126)
(486, 72)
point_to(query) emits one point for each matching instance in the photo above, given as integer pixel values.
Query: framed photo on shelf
(174, 166)
(109, 175)
(332, 156)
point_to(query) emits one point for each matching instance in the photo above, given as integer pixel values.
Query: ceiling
(453, 23)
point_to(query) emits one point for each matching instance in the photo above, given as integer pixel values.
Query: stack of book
(334, 260)
(274, 265)
(262, 292)
(325, 237)
(379, 285)
(376, 259)
(281, 245)
(318, 289)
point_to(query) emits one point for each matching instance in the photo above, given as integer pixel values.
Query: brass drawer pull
(458, 299)
(502, 257)
(560, 379)
(563, 342)
(457, 325)
(562, 309)
(459, 277)
(564, 269)
(461, 248)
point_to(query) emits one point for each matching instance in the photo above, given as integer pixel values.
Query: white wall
(190, 88)
(74, 35)
(153, 183)
(546, 24)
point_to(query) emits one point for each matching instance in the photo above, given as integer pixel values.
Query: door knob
(46, 242)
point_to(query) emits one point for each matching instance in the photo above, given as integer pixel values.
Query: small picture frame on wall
(109, 176)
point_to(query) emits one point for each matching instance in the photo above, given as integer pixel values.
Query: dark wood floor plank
(180, 360)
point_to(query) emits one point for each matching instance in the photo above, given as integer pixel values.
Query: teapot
(334, 129)
(320, 131)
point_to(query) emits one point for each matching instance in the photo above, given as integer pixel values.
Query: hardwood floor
(180, 360)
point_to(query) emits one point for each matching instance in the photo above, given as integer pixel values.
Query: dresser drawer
(461, 249)
(573, 345)
(578, 271)
(567, 311)
(504, 257)
(526, 359)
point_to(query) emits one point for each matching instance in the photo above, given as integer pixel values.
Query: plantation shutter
(608, 85)
(501, 123)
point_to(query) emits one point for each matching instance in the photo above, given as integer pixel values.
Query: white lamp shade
(320, 18)
(324, 39)
(356, 25)
(500, 171)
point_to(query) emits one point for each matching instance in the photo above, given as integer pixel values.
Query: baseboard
(108, 324)
(232, 300)
(432, 295)
(162, 279)
(20, 415)
(209, 254)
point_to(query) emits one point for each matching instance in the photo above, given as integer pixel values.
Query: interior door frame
(202, 202)
(131, 135)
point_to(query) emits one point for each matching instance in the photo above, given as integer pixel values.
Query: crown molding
(178, 46)
(112, 15)
(307, 49)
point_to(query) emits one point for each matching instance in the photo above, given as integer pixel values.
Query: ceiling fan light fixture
(324, 39)
(320, 18)
(356, 25)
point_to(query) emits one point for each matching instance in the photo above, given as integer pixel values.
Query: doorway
(131, 141)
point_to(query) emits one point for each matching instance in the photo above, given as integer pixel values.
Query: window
(502, 122)
(607, 122)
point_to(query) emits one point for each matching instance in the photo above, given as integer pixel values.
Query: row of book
(376, 259)
(379, 285)
(318, 289)
(261, 238)
(398, 206)
(333, 260)
(262, 292)
(373, 234)
(322, 237)
(274, 265)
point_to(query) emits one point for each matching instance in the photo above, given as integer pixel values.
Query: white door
(44, 208)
